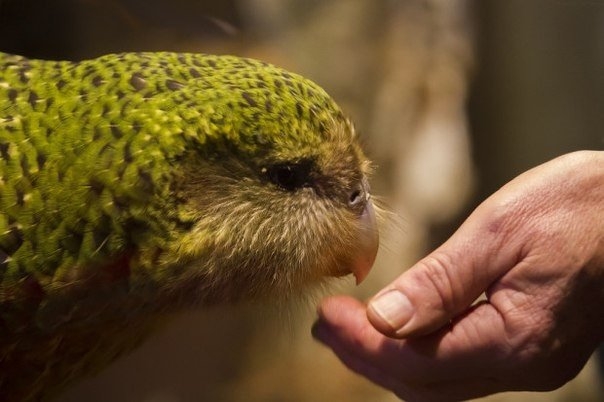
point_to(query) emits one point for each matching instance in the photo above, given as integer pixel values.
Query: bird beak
(368, 244)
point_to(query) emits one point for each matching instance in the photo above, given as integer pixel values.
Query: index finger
(470, 347)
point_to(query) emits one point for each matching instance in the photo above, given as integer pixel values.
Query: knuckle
(434, 275)
(555, 378)
(541, 362)
(550, 374)
(561, 364)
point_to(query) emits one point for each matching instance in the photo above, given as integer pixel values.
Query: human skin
(535, 248)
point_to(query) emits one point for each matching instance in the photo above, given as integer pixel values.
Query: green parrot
(136, 185)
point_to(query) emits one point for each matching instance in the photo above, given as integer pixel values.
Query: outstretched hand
(536, 250)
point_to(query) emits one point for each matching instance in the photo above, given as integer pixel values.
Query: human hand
(536, 249)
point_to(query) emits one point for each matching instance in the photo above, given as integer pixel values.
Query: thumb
(446, 282)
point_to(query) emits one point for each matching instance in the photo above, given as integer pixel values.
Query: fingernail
(393, 307)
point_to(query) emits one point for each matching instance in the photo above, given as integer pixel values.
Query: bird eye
(290, 176)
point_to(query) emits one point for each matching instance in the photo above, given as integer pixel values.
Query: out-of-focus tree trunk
(539, 88)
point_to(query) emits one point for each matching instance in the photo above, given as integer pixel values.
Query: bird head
(274, 183)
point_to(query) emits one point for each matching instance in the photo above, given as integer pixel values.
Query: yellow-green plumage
(137, 184)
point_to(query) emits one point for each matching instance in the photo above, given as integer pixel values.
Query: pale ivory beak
(369, 240)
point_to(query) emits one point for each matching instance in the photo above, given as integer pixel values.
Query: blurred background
(453, 98)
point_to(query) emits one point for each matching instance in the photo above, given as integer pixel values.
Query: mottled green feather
(137, 183)
(108, 130)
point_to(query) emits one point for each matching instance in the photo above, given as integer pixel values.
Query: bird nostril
(355, 198)
(359, 197)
